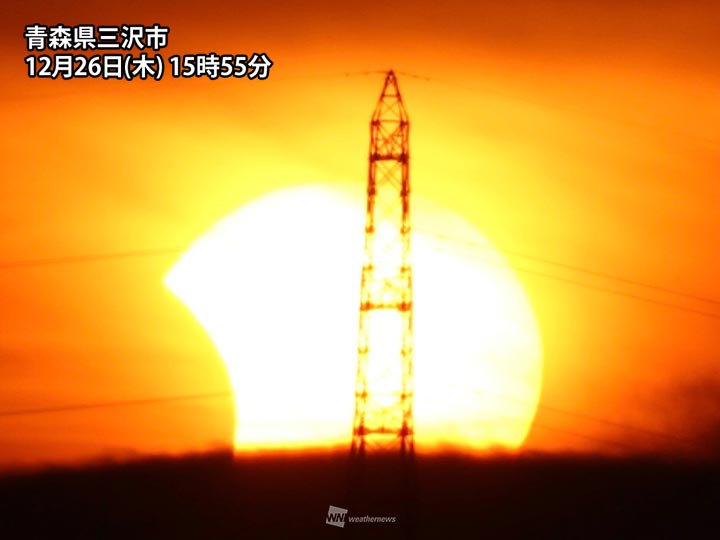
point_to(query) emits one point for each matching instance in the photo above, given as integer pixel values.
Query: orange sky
(571, 131)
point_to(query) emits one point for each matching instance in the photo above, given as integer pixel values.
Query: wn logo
(336, 516)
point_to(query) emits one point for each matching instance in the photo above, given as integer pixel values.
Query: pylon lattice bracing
(384, 388)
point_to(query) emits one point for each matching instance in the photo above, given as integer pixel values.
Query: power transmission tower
(384, 385)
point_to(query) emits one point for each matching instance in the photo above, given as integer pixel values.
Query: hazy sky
(584, 133)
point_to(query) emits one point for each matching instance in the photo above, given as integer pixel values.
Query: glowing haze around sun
(276, 285)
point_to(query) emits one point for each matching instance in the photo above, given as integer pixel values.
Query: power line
(112, 404)
(336, 74)
(89, 257)
(592, 438)
(562, 108)
(619, 293)
(612, 423)
(589, 418)
(574, 433)
(578, 269)
(225, 394)
(606, 290)
(95, 257)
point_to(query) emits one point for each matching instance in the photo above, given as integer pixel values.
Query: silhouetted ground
(212, 497)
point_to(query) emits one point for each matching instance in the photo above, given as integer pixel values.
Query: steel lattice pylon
(384, 387)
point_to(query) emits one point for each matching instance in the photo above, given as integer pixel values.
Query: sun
(276, 285)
